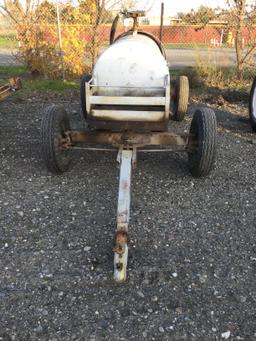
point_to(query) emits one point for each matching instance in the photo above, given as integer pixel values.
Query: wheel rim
(254, 103)
(62, 154)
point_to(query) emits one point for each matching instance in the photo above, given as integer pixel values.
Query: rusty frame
(127, 143)
(8, 89)
(125, 139)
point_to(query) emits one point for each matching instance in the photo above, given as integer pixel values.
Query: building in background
(154, 20)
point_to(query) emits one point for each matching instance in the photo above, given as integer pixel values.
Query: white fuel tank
(132, 66)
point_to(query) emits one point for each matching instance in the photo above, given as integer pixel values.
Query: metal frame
(127, 144)
(109, 113)
(127, 139)
(150, 110)
(125, 158)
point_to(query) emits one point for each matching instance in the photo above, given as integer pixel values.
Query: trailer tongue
(127, 144)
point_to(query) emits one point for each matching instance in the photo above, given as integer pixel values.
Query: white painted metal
(123, 211)
(129, 115)
(124, 195)
(125, 100)
(87, 96)
(132, 71)
(134, 61)
(167, 98)
(254, 103)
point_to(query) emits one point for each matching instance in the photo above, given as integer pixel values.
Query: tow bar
(126, 159)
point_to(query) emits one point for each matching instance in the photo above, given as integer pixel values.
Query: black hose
(113, 29)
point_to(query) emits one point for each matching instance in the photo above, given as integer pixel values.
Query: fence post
(161, 22)
(60, 41)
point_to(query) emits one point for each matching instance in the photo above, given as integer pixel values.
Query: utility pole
(161, 22)
(60, 41)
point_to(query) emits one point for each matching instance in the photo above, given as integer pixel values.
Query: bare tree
(103, 9)
(241, 16)
(23, 17)
(19, 11)
(201, 16)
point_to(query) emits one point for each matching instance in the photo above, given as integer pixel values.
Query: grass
(223, 77)
(8, 41)
(29, 84)
(185, 46)
(206, 79)
(50, 85)
(202, 77)
(12, 70)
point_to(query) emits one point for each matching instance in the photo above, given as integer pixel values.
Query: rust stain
(125, 185)
(121, 239)
(119, 266)
(127, 138)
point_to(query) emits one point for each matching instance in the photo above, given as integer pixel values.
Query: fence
(180, 35)
(82, 34)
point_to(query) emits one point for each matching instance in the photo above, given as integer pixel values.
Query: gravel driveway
(192, 262)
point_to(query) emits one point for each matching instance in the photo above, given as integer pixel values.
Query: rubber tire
(54, 122)
(85, 79)
(251, 109)
(204, 128)
(180, 103)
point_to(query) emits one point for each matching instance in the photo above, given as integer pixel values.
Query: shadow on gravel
(233, 121)
(230, 106)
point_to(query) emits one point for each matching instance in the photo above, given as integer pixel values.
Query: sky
(174, 6)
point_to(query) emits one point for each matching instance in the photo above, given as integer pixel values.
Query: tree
(46, 11)
(240, 17)
(102, 12)
(37, 32)
(82, 30)
(19, 11)
(202, 16)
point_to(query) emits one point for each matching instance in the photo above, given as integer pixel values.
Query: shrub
(39, 48)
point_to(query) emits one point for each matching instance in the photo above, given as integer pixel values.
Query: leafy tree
(46, 12)
(201, 16)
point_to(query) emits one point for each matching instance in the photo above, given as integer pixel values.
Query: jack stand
(126, 158)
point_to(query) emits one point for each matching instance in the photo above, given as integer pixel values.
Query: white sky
(152, 7)
(174, 6)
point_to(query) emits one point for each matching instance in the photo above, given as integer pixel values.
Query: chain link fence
(65, 41)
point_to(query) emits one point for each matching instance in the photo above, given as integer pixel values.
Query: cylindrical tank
(134, 61)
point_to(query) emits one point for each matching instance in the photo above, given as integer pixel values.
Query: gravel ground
(192, 258)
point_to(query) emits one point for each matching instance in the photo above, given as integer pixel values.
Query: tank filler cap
(134, 15)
